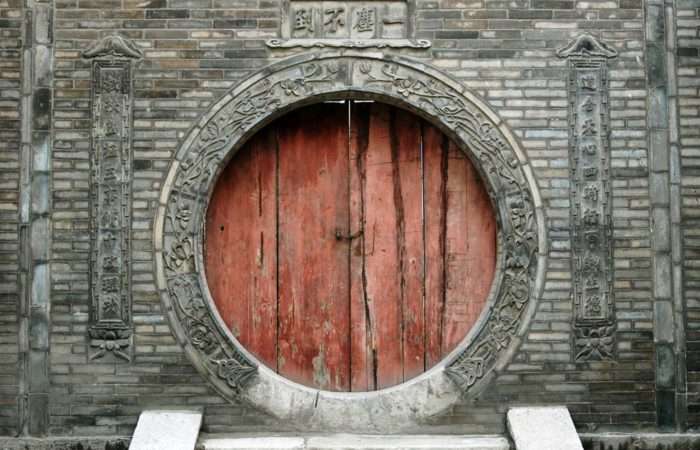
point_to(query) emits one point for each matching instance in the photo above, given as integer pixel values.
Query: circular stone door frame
(268, 94)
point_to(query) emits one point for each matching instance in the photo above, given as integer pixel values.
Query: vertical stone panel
(110, 196)
(591, 199)
(35, 221)
(664, 177)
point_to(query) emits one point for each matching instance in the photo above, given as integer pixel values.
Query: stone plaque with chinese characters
(591, 200)
(111, 162)
(347, 24)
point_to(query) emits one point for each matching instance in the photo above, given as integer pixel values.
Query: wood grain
(350, 249)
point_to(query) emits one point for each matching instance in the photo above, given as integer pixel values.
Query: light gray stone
(254, 443)
(348, 442)
(174, 430)
(543, 428)
(355, 441)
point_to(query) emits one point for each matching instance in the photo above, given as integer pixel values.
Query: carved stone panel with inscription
(110, 192)
(347, 24)
(591, 199)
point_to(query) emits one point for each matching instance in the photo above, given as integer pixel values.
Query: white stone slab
(543, 428)
(412, 442)
(355, 442)
(254, 443)
(166, 430)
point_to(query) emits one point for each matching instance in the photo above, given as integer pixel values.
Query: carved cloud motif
(587, 45)
(113, 46)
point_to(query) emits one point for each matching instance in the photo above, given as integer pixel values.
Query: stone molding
(255, 102)
(348, 43)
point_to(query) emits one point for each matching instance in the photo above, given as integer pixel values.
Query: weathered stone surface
(172, 430)
(543, 428)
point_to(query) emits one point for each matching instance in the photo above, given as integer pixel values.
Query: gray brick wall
(11, 15)
(688, 21)
(195, 50)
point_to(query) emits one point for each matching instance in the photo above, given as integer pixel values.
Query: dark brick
(687, 51)
(529, 14)
(235, 23)
(142, 164)
(631, 4)
(456, 35)
(553, 4)
(167, 14)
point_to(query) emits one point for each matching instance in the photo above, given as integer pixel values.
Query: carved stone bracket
(257, 101)
(113, 47)
(110, 196)
(591, 199)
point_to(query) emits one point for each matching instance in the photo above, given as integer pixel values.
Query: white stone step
(353, 442)
(543, 428)
(166, 429)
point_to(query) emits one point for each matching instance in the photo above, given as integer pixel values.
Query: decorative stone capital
(113, 47)
(586, 46)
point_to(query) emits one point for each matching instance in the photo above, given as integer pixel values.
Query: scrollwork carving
(257, 103)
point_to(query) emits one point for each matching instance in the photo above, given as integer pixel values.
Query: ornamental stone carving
(256, 102)
(591, 199)
(110, 196)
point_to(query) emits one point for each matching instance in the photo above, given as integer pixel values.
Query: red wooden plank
(361, 337)
(241, 235)
(313, 263)
(469, 262)
(435, 145)
(383, 280)
(408, 191)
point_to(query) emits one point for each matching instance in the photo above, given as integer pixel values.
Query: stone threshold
(350, 441)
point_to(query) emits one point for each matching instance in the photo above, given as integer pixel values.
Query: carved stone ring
(235, 373)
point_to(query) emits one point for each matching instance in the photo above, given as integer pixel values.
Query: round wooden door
(350, 246)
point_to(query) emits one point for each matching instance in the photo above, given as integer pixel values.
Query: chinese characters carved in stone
(110, 195)
(591, 223)
(347, 24)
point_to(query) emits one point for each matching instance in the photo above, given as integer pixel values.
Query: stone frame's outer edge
(305, 79)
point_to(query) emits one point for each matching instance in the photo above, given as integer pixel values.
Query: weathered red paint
(241, 247)
(381, 250)
(313, 264)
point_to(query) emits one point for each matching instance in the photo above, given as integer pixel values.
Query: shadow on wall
(639, 444)
(65, 444)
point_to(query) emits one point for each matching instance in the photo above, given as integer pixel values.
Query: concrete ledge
(353, 441)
